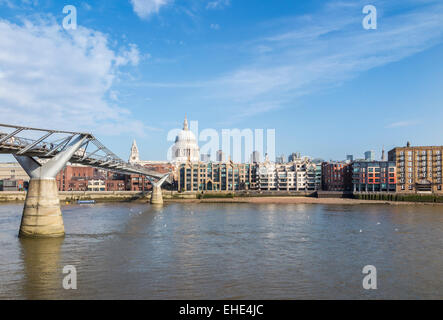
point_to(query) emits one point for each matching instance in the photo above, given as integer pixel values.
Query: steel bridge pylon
(157, 195)
(42, 216)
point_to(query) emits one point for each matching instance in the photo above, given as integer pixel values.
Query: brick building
(336, 176)
(75, 178)
(136, 182)
(84, 178)
(115, 185)
(419, 169)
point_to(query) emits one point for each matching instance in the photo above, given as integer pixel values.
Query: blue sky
(307, 69)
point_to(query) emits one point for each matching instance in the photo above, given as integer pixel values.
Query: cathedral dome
(186, 136)
(186, 146)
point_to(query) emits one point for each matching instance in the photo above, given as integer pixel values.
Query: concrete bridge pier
(157, 196)
(42, 216)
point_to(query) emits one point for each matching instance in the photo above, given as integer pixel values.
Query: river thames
(228, 251)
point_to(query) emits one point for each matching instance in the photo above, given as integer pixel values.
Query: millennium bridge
(42, 153)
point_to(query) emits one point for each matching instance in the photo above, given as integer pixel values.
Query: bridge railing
(45, 144)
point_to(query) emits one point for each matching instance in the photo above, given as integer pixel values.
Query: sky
(132, 69)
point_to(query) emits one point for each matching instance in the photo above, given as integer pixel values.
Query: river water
(228, 251)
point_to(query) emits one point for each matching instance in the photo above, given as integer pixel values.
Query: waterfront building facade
(419, 169)
(136, 182)
(223, 176)
(314, 176)
(267, 176)
(12, 171)
(301, 174)
(300, 167)
(115, 185)
(13, 177)
(374, 176)
(286, 177)
(336, 176)
(97, 185)
(13, 185)
(75, 177)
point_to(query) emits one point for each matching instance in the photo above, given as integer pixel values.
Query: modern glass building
(374, 176)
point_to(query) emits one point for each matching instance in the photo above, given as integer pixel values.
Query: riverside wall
(126, 196)
(73, 196)
(99, 196)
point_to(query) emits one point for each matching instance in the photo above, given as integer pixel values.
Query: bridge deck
(46, 144)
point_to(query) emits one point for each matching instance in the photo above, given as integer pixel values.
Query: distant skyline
(308, 69)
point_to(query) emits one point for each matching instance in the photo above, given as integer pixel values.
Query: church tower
(134, 158)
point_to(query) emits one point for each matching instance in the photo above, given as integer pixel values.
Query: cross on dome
(185, 124)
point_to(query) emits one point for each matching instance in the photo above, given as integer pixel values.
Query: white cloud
(319, 51)
(86, 6)
(145, 8)
(14, 4)
(52, 78)
(218, 4)
(215, 26)
(131, 56)
(401, 124)
(7, 3)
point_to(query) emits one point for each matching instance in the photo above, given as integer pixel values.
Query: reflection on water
(227, 251)
(41, 264)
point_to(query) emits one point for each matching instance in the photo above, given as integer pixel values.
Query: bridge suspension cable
(47, 143)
